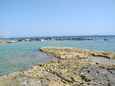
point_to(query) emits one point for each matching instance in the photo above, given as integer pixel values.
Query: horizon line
(58, 36)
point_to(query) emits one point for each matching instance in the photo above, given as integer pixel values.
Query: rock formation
(44, 39)
(73, 68)
(71, 52)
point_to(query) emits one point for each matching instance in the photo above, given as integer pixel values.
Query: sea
(22, 56)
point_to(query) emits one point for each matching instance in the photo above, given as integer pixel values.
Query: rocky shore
(72, 68)
(44, 39)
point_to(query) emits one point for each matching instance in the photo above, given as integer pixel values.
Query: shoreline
(43, 39)
(70, 69)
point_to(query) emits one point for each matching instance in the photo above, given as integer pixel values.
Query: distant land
(3, 36)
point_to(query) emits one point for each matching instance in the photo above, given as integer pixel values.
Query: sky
(36, 18)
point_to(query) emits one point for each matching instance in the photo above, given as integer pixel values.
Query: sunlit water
(21, 56)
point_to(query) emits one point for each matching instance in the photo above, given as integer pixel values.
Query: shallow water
(99, 59)
(21, 56)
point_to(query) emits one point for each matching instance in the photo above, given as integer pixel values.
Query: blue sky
(25, 18)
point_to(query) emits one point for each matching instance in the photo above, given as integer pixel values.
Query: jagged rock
(94, 75)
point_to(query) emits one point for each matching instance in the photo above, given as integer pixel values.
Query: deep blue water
(22, 55)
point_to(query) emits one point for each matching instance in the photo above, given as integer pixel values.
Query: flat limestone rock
(55, 50)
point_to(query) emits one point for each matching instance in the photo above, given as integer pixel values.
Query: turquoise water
(21, 56)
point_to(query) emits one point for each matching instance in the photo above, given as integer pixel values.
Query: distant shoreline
(48, 38)
(42, 39)
(57, 36)
(3, 36)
